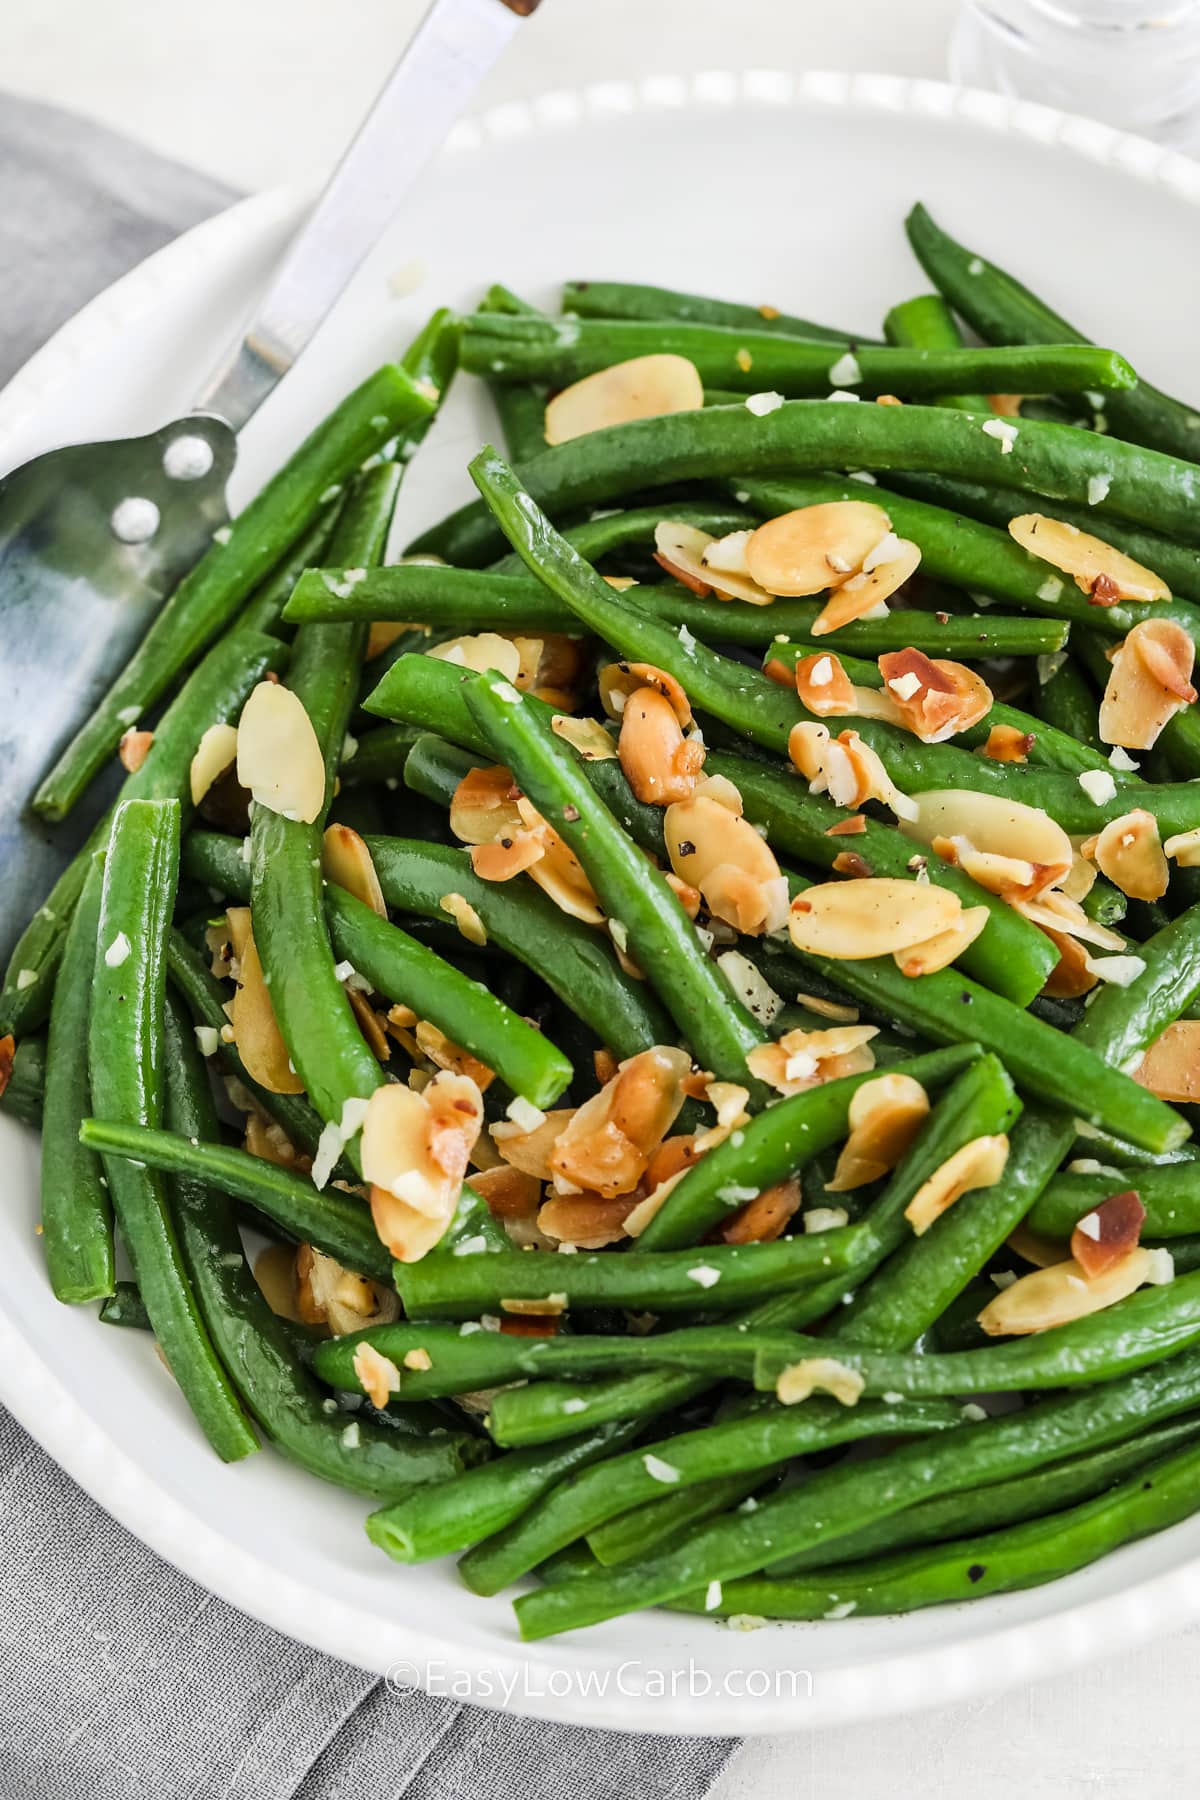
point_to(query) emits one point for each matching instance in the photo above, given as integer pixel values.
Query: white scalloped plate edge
(35, 1394)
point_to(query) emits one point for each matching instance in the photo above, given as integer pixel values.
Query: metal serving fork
(94, 536)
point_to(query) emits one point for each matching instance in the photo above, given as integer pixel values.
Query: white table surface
(259, 91)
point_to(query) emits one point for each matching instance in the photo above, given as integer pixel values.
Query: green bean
(335, 1222)
(255, 1345)
(926, 323)
(725, 1276)
(574, 960)
(1029, 1496)
(399, 967)
(521, 410)
(1066, 701)
(607, 531)
(1004, 1561)
(758, 1439)
(322, 1036)
(661, 937)
(124, 1307)
(1057, 461)
(634, 300)
(1170, 1196)
(544, 1411)
(125, 1075)
(22, 1095)
(1122, 1022)
(964, 552)
(77, 1232)
(481, 600)
(835, 1502)
(662, 1521)
(456, 1514)
(378, 758)
(209, 596)
(212, 694)
(1002, 311)
(559, 351)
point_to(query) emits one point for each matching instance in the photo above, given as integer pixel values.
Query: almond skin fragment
(815, 547)
(1108, 1233)
(853, 920)
(644, 387)
(1055, 1296)
(8, 1051)
(885, 1116)
(278, 757)
(1086, 559)
(1149, 682)
(1129, 852)
(978, 1164)
(1171, 1066)
(346, 861)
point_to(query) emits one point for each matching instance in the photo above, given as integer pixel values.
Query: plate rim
(897, 1682)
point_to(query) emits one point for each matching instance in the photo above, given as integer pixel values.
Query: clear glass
(1135, 64)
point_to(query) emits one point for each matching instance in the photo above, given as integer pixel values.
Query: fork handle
(454, 46)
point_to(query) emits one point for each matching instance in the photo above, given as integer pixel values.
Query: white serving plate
(760, 186)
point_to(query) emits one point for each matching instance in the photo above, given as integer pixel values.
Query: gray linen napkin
(119, 1677)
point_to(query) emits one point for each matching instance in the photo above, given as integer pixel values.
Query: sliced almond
(134, 748)
(944, 947)
(1149, 682)
(870, 589)
(586, 736)
(660, 764)
(529, 1150)
(346, 861)
(609, 1140)
(415, 1153)
(819, 1374)
(715, 850)
(465, 917)
(378, 1376)
(815, 547)
(874, 917)
(804, 1059)
(618, 681)
(559, 872)
(370, 1023)
(587, 1220)
(481, 651)
(328, 1294)
(1108, 1233)
(1072, 975)
(278, 757)
(845, 768)
(1129, 852)
(1008, 744)
(885, 1116)
(1013, 878)
(1184, 848)
(827, 691)
(511, 1195)
(1171, 1066)
(766, 1217)
(444, 1053)
(979, 1164)
(991, 823)
(382, 633)
(935, 697)
(1054, 1296)
(1086, 559)
(645, 387)
(267, 1139)
(216, 752)
(255, 1028)
(684, 552)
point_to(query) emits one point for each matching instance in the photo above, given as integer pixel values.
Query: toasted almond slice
(382, 633)
(481, 651)
(444, 1053)
(328, 1294)
(869, 589)
(609, 1140)
(378, 1376)
(618, 681)
(415, 1152)
(216, 752)
(684, 551)
(255, 1029)
(727, 555)
(558, 871)
(1011, 877)
(804, 1059)
(1128, 851)
(1032, 1247)
(939, 951)
(819, 1374)
(660, 764)
(510, 1193)
(587, 736)
(815, 547)
(1184, 848)
(935, 697)
(506, 857)
(764, 1219)
(852, 920)
(371, 1024)
(274, 1271)
(267, 1139)
(483, 807)
(715, 850)
(465, 917)
(278, 757)
(845, 768)
(990, 823)
(134, 748)
(1171, 1066)
(1086, 559)
(826, 690)
(1054, 912)
(529, 1150)
(978, 1164)
(1054, 1296)
(1108, 1233)
(885, 1116)
(586, 1219)
(645, 387)
(1079, 880)
(1072, 976)
(1149, 682)
(1005, 743)
(346, 861)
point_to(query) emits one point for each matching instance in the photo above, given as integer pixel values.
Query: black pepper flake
(976, 1572)
(570, 813)
(687, 848)
(965, 998)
